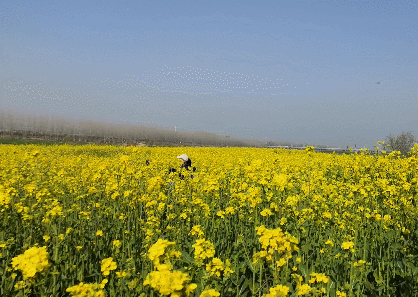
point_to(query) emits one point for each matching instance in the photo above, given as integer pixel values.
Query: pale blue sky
(304, 71)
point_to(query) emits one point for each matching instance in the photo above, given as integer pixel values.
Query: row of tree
(64, 129)
(58, 128)
(402, 142)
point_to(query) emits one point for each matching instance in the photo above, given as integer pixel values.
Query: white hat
(183, 157)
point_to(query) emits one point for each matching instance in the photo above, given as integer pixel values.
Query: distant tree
(403, 142)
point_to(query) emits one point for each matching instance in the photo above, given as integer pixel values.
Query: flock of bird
(197, 80)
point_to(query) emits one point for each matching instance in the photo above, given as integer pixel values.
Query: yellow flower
(266, 212)
(278, 291)
(168, 282)
(108, 265)
(348, 245)
(275, 239)
(359, 263)
(46, 238)
(20, 285)
(190, 288)
(318, 277)
(4, 197)
(215, 267)
(281, 262)
(121, 274)
(116, 243)
(197, 230)
(86, 290)
(31, 261)
(341, 294)
(103, 283)
(210, 293)
(310, 149)
(283, 221)
(157, 251)
(221, 214)
(99, 233)
(230, 210)
(329, 242)
(258, 256)
(203, 249)
(327, 215)
(303, 289)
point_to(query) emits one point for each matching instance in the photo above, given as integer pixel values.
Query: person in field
(186, 164)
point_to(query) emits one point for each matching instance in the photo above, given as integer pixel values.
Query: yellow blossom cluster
(210, 293)
(319, 278)
(216, 267)
(108, 265)
(348, 245)
(275, 241)
(278, 291)
(164, 279)
(197, 231)
(31, 261)
(88, 290)
(161, 251)
(279, 216)
(4, 198)
(168, 282)
(203, 249)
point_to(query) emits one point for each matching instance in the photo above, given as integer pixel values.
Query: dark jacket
(187, 165)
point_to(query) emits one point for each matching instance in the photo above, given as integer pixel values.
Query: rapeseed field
(98, 221)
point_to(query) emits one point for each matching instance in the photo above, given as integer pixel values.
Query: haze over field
(327, 72)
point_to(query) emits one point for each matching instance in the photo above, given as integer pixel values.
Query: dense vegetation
(96, 220)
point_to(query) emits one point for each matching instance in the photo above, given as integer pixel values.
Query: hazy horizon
(325, 72)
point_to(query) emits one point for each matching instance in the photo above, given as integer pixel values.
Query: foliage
(97, 221)
(402, 142)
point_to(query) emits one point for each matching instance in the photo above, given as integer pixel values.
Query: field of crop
(97, 221)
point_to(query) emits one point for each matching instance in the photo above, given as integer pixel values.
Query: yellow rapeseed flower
(278, 291)
(210, 293)
(303, 289)
(116, 243)
(108, 265)
(318, 277)
(157, 252)
(197, 230)
(86, 290)
(167, 282)
(203, 249)
(31, 261)
(348, 245)
(215, 267)
(329, 242)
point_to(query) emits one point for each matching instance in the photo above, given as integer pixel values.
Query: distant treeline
(63, 129)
